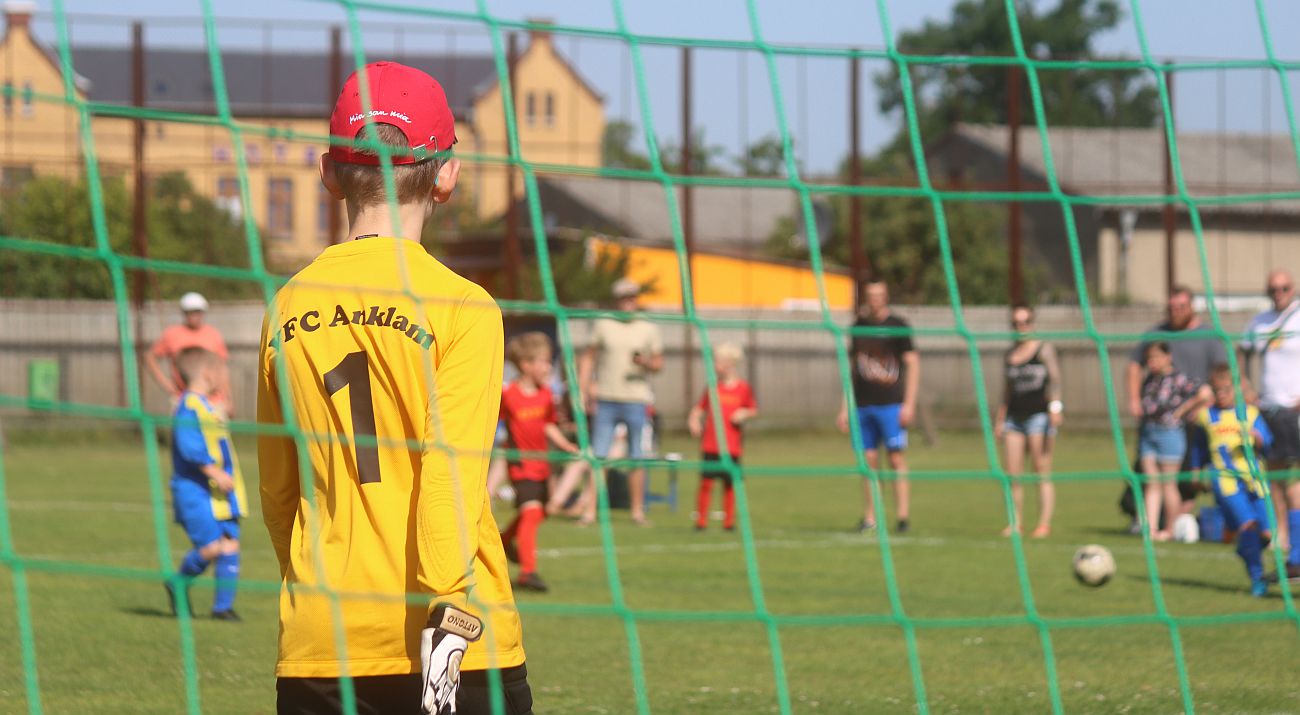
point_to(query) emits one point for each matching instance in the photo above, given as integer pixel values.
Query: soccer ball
(1186, 530)
(1093, 565)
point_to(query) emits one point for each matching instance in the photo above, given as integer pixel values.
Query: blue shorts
(1167, 444)
(1037, 423)
(1198, 449)
(879, 423)
(608, 416)
(192, 507)
(1239, 504)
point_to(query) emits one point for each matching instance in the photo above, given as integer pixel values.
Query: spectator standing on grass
(1274, 335)
(192, 332)
(1029, 416)
(1169, 397)
(886, 375)
(614, 379)
(1195, 350)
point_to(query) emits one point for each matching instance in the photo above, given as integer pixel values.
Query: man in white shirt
(613, 376)
(1274, 335)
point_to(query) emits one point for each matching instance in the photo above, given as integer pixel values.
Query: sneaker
(531, 582)
(701, 527)
(1259, 589)
(729, 528)
(1292, 574)
(1135, 529)
(903, 527)
(226, 615)
(171, 598)
(866, 526)
(512, 551)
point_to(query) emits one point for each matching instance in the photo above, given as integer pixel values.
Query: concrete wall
(793, 366)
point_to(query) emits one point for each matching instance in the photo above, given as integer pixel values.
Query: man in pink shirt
(191, 332)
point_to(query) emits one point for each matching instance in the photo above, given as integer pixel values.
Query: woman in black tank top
(1027, 419)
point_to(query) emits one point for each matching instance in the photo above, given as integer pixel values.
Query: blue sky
(733, 102)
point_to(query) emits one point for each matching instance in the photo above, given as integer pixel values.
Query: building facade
(279, 104)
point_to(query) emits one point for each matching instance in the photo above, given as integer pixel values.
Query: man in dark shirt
(886, 372)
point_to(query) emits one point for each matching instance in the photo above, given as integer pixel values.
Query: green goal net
(629, 641)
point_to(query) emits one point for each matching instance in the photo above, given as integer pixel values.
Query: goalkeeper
(389, 365)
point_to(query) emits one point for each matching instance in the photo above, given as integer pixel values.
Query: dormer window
(530, 109)
(550, 109)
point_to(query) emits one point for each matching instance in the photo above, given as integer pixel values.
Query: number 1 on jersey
(354, 372)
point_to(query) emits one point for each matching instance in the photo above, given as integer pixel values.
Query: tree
(182, 226)
(616, 149)
(765, 157)
(901, 240)
(706, 159)
(946, 94)
(581, 278)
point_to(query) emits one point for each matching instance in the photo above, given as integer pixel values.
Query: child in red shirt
(528, 410)
(738, 406)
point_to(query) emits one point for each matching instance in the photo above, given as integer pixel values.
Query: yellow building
(560, 119)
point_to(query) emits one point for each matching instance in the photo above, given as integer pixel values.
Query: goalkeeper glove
(442, 647)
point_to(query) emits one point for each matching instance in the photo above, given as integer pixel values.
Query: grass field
(106, 645)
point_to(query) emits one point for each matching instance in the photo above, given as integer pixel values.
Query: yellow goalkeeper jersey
(396, 395)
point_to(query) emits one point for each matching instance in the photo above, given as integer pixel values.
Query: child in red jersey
(528, 409)
(738, 406)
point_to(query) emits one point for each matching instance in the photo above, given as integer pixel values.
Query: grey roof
(280, 84)
(724, 216)
(1111, 161)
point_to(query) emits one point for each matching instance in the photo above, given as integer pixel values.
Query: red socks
(702, 503)
(705, 496)
(524, 531)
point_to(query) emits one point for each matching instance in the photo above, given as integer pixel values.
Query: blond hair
(729, 351)
(363, 184)
(190, 362)
(526, 346)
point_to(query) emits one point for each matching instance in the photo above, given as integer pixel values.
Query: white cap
(193, 301)
(626, 288)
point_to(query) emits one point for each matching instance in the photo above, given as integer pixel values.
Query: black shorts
(718, 473)
(527, 490)
(1285, 425)
(383, 694)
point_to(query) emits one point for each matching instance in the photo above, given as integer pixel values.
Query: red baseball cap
(402, 96)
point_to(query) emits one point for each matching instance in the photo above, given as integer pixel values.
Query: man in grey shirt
(1193, 356)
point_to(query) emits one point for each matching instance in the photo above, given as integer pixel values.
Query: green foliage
(901, 242)
(616, 149)
(946, 94)
(182, 225)
(765, 157)
(582, 277)
(705, 159)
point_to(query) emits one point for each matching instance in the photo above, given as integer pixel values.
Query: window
(228, 198)
(279, 214)
(323, 203)
(12, 178)
(530, 109)
(550, 109)
(9, 99)
(27, 99)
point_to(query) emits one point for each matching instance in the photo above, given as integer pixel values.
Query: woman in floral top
(1168, 396)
